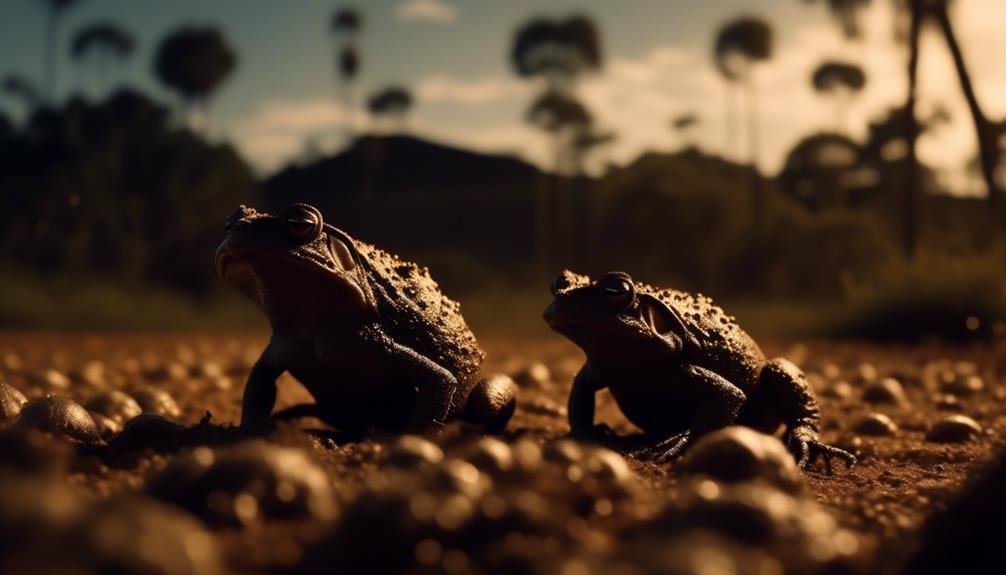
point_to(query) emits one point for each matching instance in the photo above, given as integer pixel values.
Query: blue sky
(452, 53)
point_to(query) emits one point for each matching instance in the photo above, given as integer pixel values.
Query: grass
(30, 302)
(949, 299)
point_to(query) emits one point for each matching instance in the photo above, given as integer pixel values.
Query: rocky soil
(120, 451)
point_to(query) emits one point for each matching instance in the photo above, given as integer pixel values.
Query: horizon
(656, 65)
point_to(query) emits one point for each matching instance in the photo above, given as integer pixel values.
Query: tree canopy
(740, 43)
(105, 37)
(194, 61)
(556, 49)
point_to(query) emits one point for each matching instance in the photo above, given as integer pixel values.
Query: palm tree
(842, 81)
(560, 52)
(918, 12)
(346, 26)
(740, 46)
(54, 11)
(393, 103)
(988, 139)
(102, 43)
(194, 61)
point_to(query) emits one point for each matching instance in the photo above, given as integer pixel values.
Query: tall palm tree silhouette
(54, 12)
(919, 12)
(841, 81)
(194, 61)
(346, 26)
(740, 46)
(102, 43)
(392, 103)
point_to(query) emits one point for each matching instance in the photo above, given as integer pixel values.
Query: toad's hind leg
(491, 403)
(785, 387)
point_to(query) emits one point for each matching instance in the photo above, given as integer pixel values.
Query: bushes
(953, 298)
(114, 190)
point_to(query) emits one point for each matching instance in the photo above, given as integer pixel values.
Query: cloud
(441, 88)
(434, 11)
(281, 130)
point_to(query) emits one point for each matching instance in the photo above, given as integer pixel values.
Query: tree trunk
(911, 191)
(988, 145)
(49, 62)
(730, 120)
(754, 138)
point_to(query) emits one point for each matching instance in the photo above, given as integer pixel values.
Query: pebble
(535, 374)
(92, 374)
(136, 535)
(115, 405)
(156, 400)
(489, 453)
(837, 390)
(412, 451)
(11, 403)
(876, 424)
(888, 391)
(55, 379)
(964, 385)
(107, 427)
(245, 483)
(739, 454)
(954, 429)
(61, 417)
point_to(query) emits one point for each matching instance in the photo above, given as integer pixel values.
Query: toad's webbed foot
(806, 448)
(664, 451)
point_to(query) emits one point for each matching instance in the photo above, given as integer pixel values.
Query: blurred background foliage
(111, 206)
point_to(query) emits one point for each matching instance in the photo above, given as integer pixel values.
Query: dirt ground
(901, 477)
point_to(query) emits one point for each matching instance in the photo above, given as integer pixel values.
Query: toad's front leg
(717, 404)
(259, 393)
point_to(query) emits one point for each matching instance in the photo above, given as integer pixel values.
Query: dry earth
(598, 517)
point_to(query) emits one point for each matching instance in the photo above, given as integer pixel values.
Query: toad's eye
(618, 293)
(302, 223)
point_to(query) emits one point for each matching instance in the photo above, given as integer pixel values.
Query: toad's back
(723, 345)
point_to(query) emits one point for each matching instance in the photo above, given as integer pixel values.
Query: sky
(452, 54)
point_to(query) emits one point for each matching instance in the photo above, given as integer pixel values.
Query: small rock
(92, 374)
(876, 424)
(115, 405)
(412, 451)
(11, 403)
(837, 390)
(244, 483)
(738, 454)
(61, 417)
(947, 402)
(887, 391)
(535, 374)
(490, 454)
(954, 429)
(964, 385)
(607, 465)
(55, 379)
(156, 400)
(133, 535)
(107, 427)
(866, 372)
